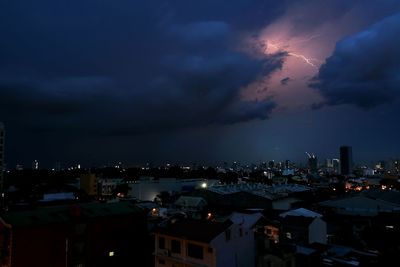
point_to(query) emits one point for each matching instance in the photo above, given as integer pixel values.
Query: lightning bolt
(306, 59)
(279, 47)
(307, 39)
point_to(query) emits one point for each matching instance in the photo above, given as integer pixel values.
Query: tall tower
(312, 163)
(2, 136)
(346, 160)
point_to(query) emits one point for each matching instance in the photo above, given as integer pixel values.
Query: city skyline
(94, 82)
(341, 163)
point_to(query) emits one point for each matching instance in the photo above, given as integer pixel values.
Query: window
(210, 250)
(175, 246)
(80, 228)
(288, 235)
(79, 248)
(161, 242)
(160, 261)
(195, 251)
(228, 235)
(240, 232)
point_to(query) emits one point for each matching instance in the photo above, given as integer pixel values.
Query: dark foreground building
(346, 160)
(81, 235)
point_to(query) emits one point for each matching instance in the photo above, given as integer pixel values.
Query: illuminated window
(289, 235)
(111, 254)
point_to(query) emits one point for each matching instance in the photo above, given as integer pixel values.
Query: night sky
(101, 81)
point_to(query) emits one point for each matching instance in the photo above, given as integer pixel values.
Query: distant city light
(204, 185)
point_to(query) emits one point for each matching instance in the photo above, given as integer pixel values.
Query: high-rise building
(329, 163)
(287, 164)
(2, 136)
(271, 164)
(336, 165)
(313, 164)
(346, 160)
(88, 183)
(35, 165)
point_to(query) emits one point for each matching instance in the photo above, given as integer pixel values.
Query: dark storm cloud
(243, 15)
(364, 68)
(308, 15)
(285, 81)
(135, 67)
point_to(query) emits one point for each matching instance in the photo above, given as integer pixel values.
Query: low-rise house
(369, 203)
(303, 226)
(190, 204)
(107, 186)
(189, 242)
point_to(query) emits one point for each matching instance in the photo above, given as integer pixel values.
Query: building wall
(5, 244)
(294, 233)
(317, 231)
(39, 246)
(166, 258)
(346, 160)
(238, 251)
(106, 187)
(101, 241)
(88, 183)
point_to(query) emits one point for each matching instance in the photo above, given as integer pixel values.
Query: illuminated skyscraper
(312, 163)
(35, 165)
(336, 165)
(346, 160)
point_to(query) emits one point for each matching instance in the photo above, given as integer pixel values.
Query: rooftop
(189, 201)
(246, 220)
(263, 190)
(301, 212)
(195, 230)
(67, 213)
